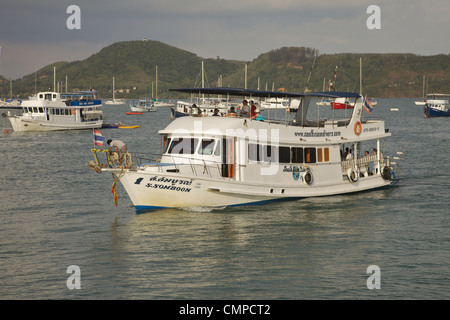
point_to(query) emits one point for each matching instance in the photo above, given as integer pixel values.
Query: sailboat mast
(360, 76)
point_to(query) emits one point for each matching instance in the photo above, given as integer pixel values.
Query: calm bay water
(56, 212)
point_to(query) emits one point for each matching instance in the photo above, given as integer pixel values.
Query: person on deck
(258, 116)
(119, 147)
(245, 111)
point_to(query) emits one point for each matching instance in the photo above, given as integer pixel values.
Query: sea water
(56, 213)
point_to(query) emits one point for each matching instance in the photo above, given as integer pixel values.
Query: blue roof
(265, 94)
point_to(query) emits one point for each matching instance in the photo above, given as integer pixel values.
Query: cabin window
(297, 155)
(48, 96)
(284, 154)
(310, 155)
(35, 109)
(319, 155)
(25, 110)
(166, 142)
(41, 110)
(54, 96)
(217, 151)
(326, 152)
(207, 147)
(57, 112)
(183, 146)
(41, 96)
(269, 154)
(253, 152)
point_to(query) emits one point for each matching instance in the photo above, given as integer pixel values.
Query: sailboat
(114, 101)
(202, 107)
(159, 102)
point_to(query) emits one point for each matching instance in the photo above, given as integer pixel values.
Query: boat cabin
(304, 147)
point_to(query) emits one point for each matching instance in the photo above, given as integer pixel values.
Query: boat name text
(169, 184)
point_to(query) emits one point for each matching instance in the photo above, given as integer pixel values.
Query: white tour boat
(233, 161)
(51, 111)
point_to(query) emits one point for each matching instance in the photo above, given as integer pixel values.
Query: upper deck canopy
(265, 94)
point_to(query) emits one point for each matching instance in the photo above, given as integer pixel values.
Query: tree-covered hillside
(133, 65)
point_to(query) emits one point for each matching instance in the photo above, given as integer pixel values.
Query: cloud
(232, 29)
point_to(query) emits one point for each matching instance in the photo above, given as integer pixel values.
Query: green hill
(133, 64)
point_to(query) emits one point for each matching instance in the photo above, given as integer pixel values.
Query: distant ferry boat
(437, 105)
(51, 111)
(233, 161)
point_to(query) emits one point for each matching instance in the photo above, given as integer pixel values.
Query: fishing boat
(51, 111)
(223, 161)
(437, 105)
(128, 112)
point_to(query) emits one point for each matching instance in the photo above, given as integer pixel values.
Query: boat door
(228, 158)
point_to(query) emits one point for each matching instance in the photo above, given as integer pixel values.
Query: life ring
(308, 177)
(296, 173)
(73, 111)
(357, 128)
(353, 175)
(127, 160)
(387, 173)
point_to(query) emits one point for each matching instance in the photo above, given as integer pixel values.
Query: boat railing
(366, 164)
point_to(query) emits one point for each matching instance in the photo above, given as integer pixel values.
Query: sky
(34, 33)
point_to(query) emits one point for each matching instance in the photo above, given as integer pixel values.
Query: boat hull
(433, 112)
(20, 125)
(155, 190)
(341, 106)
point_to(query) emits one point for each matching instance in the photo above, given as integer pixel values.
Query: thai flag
(98, 138)
(368, 106)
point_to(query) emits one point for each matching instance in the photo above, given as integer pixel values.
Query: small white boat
(143, 105)
(275, 103)
(50, 111)
(224, 161)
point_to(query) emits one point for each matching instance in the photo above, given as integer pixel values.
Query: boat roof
(438, 95)
(265, 94)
